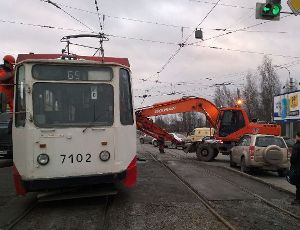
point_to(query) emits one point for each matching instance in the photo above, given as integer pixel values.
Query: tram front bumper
(72, 182)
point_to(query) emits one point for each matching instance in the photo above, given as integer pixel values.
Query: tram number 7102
(72, 158)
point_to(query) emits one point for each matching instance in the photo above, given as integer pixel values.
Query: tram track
(282, 208)
(269, 203)
(200, 197)
(243, 188)
(20, 217)
(34, 207)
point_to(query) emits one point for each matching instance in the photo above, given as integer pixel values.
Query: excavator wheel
(205, 153)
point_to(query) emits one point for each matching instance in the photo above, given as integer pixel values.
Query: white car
(266, 152)
(171, 144)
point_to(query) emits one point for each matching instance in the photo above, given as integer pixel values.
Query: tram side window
(126, 110)
(20, 105)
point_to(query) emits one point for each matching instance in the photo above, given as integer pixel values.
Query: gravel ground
(254, 215)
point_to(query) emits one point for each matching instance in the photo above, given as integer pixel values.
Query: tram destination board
(71, 73)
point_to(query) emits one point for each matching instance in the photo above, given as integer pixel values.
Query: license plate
(3, 152)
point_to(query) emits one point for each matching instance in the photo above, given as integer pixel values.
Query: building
(286, 112)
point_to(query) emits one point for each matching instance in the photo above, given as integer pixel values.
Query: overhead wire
(58, 7)
(234, 31)
(223, 4)
(145, 40)
(247, 51)
(141, 20)
(98, 14)
(186, 39)
(100, 49)
(45, 26)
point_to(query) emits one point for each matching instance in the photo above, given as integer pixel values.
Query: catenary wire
(187, 38)
(234, 31)
(98, 14)
(147, 40)
(58, 7)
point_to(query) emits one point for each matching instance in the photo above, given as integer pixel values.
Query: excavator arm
(186, 104)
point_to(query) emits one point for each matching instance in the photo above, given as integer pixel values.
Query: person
(161, 145)
(295, 164)
(7, 79)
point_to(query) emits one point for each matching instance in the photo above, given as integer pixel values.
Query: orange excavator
(230, 125)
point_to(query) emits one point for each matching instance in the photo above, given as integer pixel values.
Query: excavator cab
(230, 122)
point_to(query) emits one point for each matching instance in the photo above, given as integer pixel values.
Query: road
(174, 191)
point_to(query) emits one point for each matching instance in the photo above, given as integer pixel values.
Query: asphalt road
(166, 197)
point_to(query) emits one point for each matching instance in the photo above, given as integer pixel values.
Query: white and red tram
(73, 123)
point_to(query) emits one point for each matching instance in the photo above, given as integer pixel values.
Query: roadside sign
(295, 6)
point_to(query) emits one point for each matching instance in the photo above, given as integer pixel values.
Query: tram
(73, 123)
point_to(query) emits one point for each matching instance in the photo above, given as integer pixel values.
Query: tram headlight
(104, 155)
(43, 159)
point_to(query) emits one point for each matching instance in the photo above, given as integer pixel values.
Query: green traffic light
(266, 9)
(276, 9)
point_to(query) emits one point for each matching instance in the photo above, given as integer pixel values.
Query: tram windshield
(63, 104)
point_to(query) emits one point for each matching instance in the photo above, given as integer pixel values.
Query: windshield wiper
(89, 125)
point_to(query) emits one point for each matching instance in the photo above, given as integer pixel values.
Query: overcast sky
(193, 70)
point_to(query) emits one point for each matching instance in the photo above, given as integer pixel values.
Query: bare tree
(251, 97)
(219, 97)
(224, 97)
(269, 86)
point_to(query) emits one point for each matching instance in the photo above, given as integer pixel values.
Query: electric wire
(45, 26)
(147, 40)
(187, 38)
(248, 51)
(58, 7)
(97, 9)
(86, 31)
(226, 5)
(141, 20)
(234, 31)
(89, 31)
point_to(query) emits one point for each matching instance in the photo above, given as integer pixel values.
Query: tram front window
(67, 104)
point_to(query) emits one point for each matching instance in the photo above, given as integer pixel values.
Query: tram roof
(120, 61)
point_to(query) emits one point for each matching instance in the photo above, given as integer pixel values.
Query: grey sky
(192, 65)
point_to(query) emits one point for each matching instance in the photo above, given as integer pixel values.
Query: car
(290, 143)
(199, 133)
(179, 137)
(170, 144)
(146, 139)
(258, 151)
(154, 142)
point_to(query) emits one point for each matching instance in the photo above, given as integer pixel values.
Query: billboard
(286, 106)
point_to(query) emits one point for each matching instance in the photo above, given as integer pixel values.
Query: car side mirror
(3, 102)
(254, 120)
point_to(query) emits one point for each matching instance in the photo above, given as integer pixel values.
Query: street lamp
(291, 83)
(287, 70)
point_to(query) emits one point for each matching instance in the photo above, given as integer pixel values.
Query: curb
(258, 179)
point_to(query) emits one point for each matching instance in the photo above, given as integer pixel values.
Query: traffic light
(269, 10)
